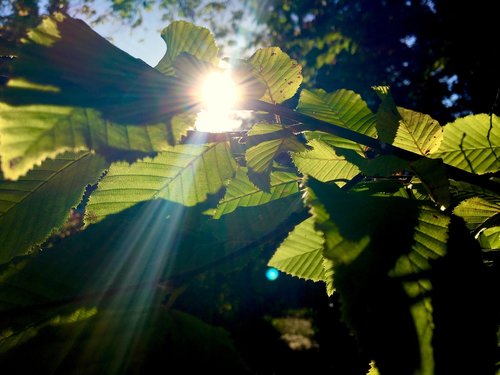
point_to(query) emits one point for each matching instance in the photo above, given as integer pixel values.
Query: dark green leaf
(38, 203)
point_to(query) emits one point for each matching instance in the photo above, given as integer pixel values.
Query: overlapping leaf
(64, 62)
(410, 130)
(324, 163)
(472, 143)
(260, 155)
(490, 238)
(182, 36)
(30, 134)
(476, 211)
(432, 173)
(184, 174)
(70, 90)
(281, 75)
(342, 107)
(241, 192)
(373, 265)
(33, 206)
(301, 253)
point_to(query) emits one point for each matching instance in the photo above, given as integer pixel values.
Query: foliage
(389, 229)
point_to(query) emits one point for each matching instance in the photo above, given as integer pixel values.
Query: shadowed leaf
(33, 206)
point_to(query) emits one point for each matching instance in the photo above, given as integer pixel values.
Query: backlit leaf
(30, 134)
(182, 36)
(324, 163)
(260, 156)
(184, 174)
(342, 107)
(281, 75)
(301, 253)
(490, 238)
(380, 248)
(476, 210)
(472, 143)
(64, 62)
(410, 130)
(241, 192)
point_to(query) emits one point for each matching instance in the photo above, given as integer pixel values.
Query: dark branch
(382, 148)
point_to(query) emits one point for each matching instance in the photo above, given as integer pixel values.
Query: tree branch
(310, 123)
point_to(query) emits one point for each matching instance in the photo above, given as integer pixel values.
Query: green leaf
(182, 36)
(33, 206)
(31, 134)
(64, 62)
(476, 211)
(324, 163)
(260, 155)
(342, 107)
(184, 174)
(472, 143)
(413, 131)
(242, 193)
(301, 253)
(432, 173)
(381, 249)
(430, 243)
(418, 132)
(281, 75)
(490, 238)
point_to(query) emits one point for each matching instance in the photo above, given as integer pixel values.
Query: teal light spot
(272, 274)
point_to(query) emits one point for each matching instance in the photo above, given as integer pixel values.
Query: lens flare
(272, 274)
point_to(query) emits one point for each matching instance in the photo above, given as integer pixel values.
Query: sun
(218, 96)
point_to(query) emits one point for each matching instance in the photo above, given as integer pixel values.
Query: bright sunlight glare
(218, 95)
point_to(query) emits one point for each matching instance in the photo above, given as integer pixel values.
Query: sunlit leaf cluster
(83, 125)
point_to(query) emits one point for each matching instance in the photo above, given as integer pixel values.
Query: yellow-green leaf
(413, 131)
(476, 210)
(30, 134)
(324, 163)
(342, 107)
(301, 253)
(281, 75)
(184, 174)
(182, 36)
(472, 143)
(242, 193)
(260, 156)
